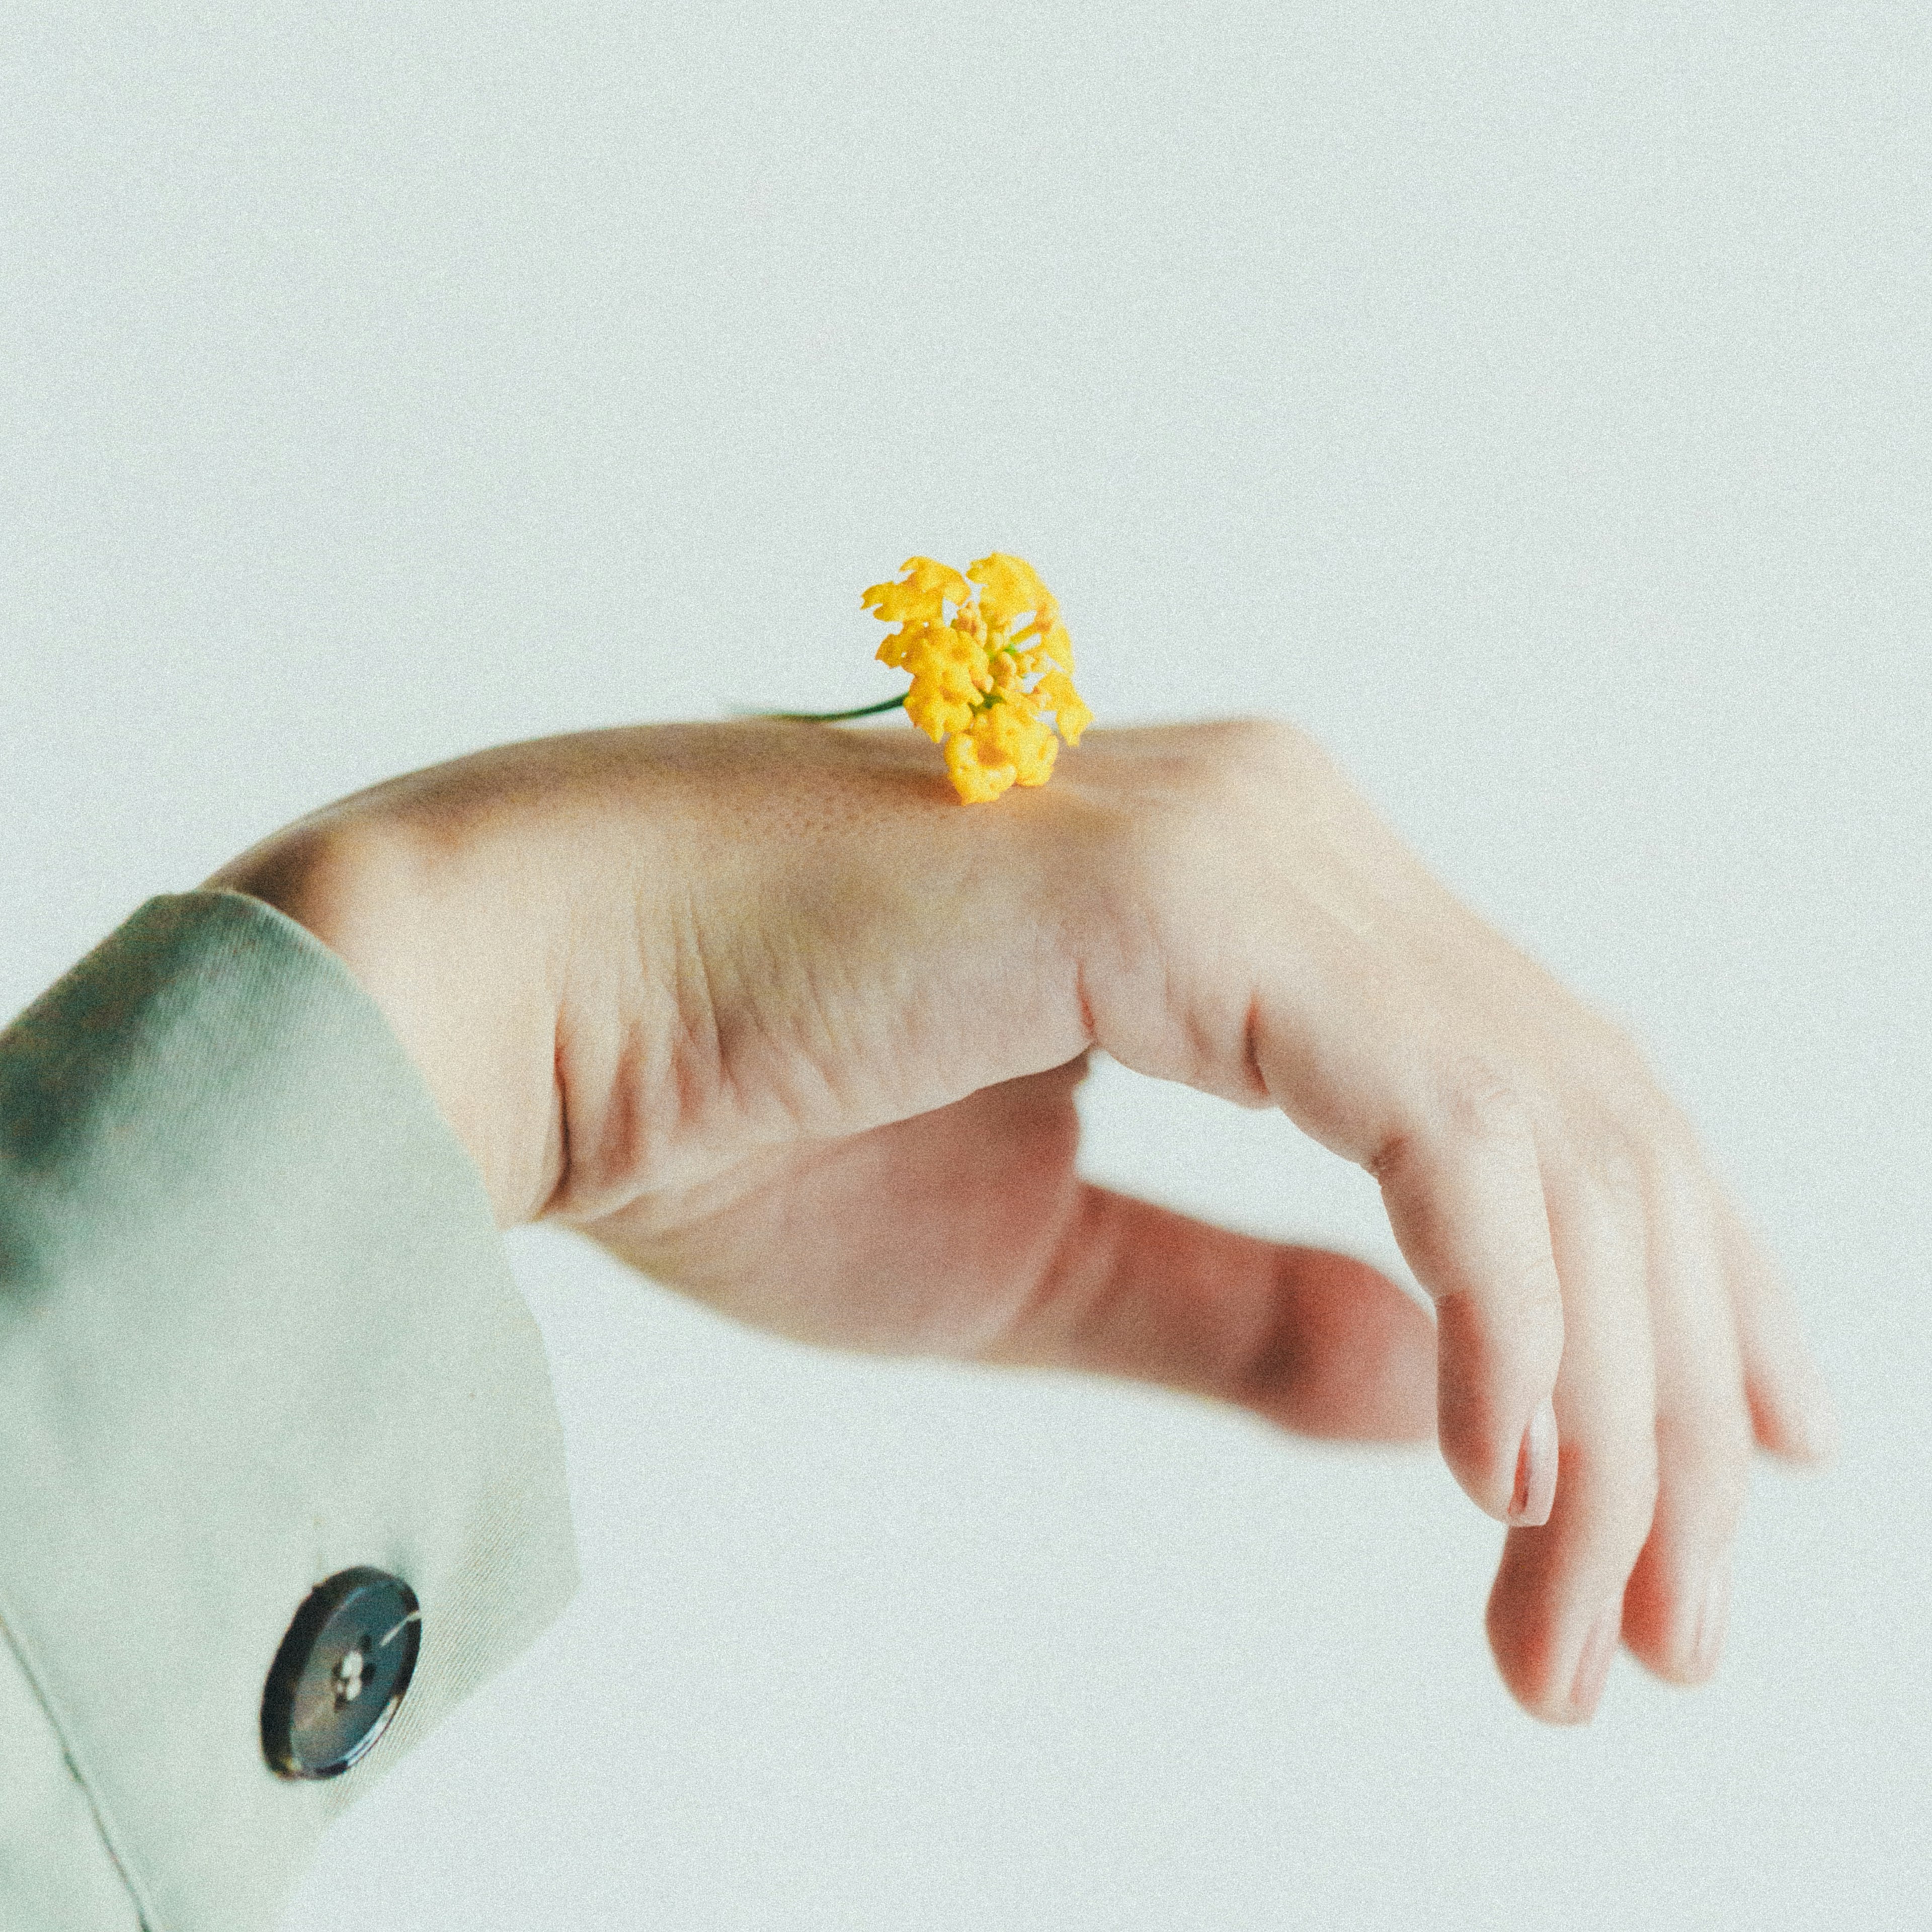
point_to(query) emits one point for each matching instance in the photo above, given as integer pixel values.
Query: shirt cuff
(257, 1328)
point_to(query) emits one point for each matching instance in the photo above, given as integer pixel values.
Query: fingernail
(1536, 1470)
(1712, 1614)
(1594, 1665)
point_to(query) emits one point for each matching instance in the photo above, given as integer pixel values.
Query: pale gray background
(1531, 400)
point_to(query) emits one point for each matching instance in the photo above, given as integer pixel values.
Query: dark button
(341, 1673)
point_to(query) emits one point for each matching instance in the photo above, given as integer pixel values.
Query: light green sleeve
(256, 1328)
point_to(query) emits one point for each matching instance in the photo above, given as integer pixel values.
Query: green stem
(830, 717)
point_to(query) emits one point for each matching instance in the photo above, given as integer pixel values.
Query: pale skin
(763, 1009)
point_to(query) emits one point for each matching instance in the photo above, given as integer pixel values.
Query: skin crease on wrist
(767, 1013)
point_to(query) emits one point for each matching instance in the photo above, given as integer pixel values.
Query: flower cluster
(979, 685)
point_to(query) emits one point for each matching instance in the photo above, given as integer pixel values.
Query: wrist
(427, 948)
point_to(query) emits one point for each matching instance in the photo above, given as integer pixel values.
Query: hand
(769, 1013)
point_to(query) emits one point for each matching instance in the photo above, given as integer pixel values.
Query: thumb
(1318, 1342)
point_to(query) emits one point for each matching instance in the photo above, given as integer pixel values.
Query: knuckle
(1477, 1101)
(1611, 1043)
(1627, 1084)
(1205, 808)
(1612, 1158)
(1679, 1186)
(1616, 1481)
(1658, 1175)
(1513, 1317)
(1706, 1455)
(1537, 1290)
(1259, 742)
(1461, 1106)
(1672, 1141)
(1249, 768)
(1453, 1098)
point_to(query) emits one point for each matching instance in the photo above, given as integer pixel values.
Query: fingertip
(1556, 1673)
(1793, 1414)
(1798, 1424)
(1674, 1619)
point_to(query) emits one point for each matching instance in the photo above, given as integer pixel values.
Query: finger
(1466, 1205)
(1557, 1608)
(1318, 1342)
(1791, 1409)
(1676, 1599)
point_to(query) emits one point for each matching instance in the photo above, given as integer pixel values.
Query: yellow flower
(979, 685)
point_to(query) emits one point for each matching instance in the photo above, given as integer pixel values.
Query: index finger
(1465, 1199)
